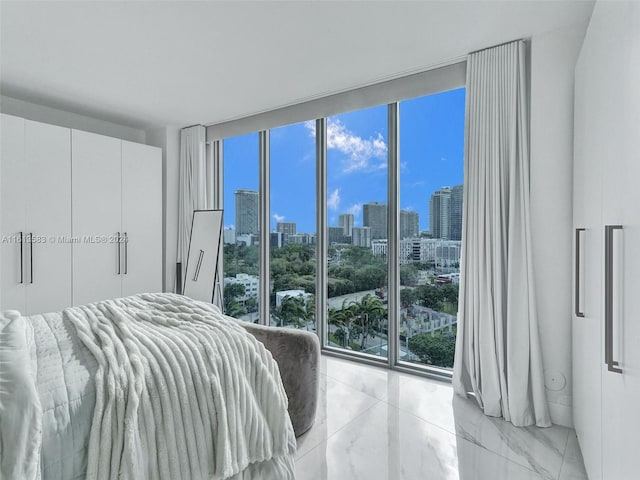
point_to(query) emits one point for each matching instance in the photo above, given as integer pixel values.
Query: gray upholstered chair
(297, 353)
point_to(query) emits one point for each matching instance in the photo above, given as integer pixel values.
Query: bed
(148, 386)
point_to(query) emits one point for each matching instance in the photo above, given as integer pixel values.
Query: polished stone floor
(376, 424)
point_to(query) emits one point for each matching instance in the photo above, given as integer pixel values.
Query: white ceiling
(179, 63)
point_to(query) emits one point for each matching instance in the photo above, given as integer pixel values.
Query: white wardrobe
(80, 217)
(117, 196)
(35, 212)
(606, 321)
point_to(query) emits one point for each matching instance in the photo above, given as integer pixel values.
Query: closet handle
(118, 253)
(21, 258)
(126, 252)
(31, 256)
(577, 274)
(197, 273)
(612, 365)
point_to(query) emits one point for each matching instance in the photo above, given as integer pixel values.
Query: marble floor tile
(338, 405)
(538, 449)
(388, 443)
(573, 464)
(374, 423)
(377, 382)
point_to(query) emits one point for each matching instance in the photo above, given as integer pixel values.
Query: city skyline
(431, 156)
(445, 205)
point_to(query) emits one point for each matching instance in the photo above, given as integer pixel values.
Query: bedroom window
(241, 227)
(292, 236)
(357, 218)
(357, 170)
(431, 174)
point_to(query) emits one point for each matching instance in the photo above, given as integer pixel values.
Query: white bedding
(211, 405)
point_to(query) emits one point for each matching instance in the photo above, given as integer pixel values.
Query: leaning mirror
(201, 279)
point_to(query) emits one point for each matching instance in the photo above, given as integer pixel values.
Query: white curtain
(498, 356)
(193, 186)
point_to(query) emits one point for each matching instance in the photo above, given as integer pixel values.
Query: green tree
(232, 306)
(370, 312)
(343, 318)
(408, 274)
(291, 311)
(407, 297)
(434, 349)
(310, 310)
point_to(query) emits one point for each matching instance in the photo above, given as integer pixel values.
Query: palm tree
(370, 311)
(343, 318)
(310, 310)
(292, 310)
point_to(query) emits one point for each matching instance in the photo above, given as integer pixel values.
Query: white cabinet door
(12, 214)
(96, 216)
(587, 352)
(141, 218)
(621, 391)
(48, 217)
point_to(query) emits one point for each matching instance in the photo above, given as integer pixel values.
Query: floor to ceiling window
(357, 169)
(292, 235)
(241, 227)
(358, 237)
(431, 176)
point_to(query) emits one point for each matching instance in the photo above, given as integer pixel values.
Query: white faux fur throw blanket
(182, 392)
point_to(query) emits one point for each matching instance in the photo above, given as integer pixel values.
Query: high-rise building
(409, 224)
(278, 239)
(346, 221)
(335, 235)
(455, 232)
(229, 235)
(246, 212)
(374, 215)
(286, 227)
(361, 237)
(440, 213)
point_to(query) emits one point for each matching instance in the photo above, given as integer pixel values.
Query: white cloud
(362, 154)
(311, 126)
(278, 218)
(333, 202)
(355, 209)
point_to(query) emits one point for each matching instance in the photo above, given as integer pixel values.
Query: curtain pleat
(193, 186)
(498, 356)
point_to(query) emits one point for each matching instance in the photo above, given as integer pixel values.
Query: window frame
(439, 79)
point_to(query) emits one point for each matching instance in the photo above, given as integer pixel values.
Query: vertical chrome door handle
(199, 264)
(612, 365)
(577, 274)
(126, 252)
(31, 256)
(21, 258)
(118, 253)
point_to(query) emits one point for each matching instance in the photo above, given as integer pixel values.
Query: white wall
(54, 116)
(553, 59)
(168, 138)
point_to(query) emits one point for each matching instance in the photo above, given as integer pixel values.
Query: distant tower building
(409, 224)
(374, 215)
(246, 212)
(286, 227)
(440, 213)
(361, 236)
(335, 235)
(455, 232)
(346, 221)
(230, 235)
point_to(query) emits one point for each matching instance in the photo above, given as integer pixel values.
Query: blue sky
(431, 156)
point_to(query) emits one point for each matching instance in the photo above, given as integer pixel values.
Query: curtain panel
(498, 357)
(193, 190)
